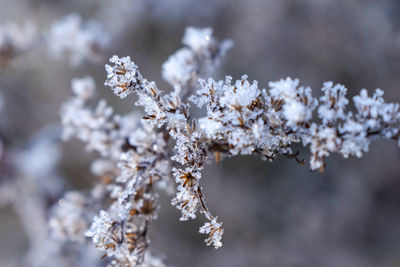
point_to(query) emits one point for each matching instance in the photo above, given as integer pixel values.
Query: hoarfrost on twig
(240, 118)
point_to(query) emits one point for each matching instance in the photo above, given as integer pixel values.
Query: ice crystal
(333, 102)
(123, 77)
(215, 232)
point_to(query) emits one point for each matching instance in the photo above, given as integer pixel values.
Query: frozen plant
(241, 118)
(29, 184)
(133, 159)
(76, 39)
(15, 39)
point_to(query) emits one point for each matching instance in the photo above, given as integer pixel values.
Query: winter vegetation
(157, 152)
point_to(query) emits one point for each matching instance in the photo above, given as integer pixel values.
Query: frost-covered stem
(204, 207)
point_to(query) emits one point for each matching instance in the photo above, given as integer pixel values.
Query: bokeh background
(274, 214)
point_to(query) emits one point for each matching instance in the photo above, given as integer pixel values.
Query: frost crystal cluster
(77, 39)
(30, 182)
(240, 118)
(71, 38)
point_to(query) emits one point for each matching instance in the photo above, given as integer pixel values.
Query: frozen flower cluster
(15, 39)
(30, 182)
(133, 159)
(76, 39)
(332, 103)
(215, 232)
(123, 76)
(95, 126)
(240, 118)
(71, 38)
(183, 69)
(69, 219)
(267, 122)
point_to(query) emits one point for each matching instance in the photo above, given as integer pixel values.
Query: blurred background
(274, 214)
